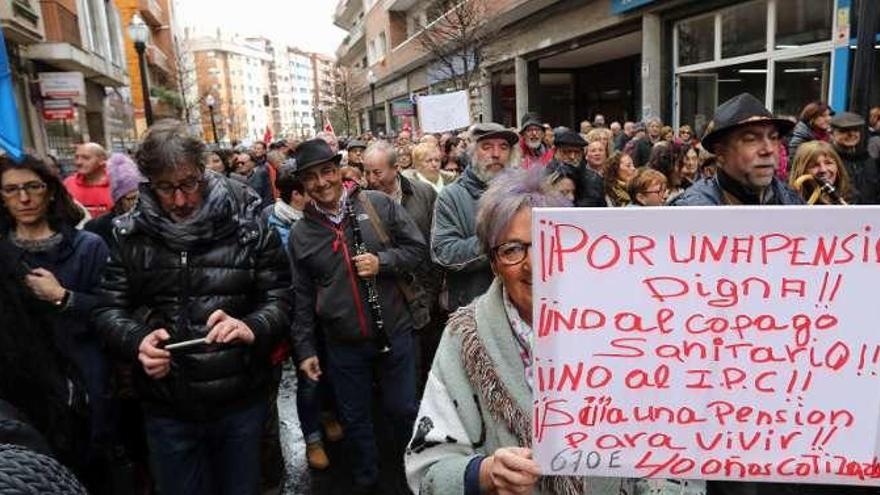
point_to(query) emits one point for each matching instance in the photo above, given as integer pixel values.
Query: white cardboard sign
(729, 343)
(444, 112)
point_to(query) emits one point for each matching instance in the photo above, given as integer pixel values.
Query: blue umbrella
(10, 132)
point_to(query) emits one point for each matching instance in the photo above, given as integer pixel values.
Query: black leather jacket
(224, 259)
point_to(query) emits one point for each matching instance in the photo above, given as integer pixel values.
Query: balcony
(400, 5)
(60, 23)
(151, 11)
(355, 36)
(157, 58)
(20, 20)
(346, 12)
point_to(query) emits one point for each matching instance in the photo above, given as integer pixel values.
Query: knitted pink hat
(124, 175)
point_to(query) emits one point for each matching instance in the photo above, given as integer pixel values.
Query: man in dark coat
(454, 243)
(847, 138)
(351, 288)
(569, 152)
(195, 254)
(745, 139)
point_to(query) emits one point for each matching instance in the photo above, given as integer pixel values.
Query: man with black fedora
(534, 151)
(454, 244)
(569, 157)
(333, 279)
(746, 138)
(847, 137)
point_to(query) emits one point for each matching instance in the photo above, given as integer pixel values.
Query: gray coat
(454, 244)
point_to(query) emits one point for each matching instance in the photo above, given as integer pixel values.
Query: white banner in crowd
(708, 343)
(444, 112)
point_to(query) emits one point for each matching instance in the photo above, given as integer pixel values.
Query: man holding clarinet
(352, 256)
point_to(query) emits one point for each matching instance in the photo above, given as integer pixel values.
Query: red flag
(267, 137)
(328, 126)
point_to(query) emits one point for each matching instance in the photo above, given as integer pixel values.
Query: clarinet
(372, 291)
(830, 190)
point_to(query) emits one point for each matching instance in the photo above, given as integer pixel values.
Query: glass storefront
(778, 50)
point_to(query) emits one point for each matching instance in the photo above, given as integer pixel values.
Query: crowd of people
(151, 302)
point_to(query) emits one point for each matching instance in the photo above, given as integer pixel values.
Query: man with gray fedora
(745, 137)
(355, 293)
(454, 244)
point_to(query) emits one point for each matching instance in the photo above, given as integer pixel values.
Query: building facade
(68, 65)
(324, 89)
(626, 59)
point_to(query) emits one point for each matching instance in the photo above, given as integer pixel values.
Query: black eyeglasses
(31, 188)
(512, 252)
(187, 186)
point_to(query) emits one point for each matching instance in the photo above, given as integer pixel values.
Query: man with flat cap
(534, 151)
(745, 137)
(454, 244)
(369, 339)
(568, 159)
(847, 132)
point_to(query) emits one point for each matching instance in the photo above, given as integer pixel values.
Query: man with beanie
(534, 151)
(124, 183)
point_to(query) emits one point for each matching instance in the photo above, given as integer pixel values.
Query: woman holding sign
(474, 427)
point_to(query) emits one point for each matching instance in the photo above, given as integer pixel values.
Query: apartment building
(627, 59)
(324, 89)
(68, 65)
(236, 73)
(258, 83)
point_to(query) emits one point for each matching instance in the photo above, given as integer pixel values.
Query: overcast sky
(306, 24)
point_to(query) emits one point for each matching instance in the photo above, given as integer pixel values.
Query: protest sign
(444, 112)
(708, 343)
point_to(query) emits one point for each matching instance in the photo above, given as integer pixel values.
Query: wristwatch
(63, 301)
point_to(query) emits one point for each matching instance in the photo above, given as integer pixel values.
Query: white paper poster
(708, 343)
(444, 112)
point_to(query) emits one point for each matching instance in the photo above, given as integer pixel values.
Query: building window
(383, 45)
(785, 72)
(744, 29)
(802, 22)
(696, 40)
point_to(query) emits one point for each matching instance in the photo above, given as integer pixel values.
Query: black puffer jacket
(224, 258)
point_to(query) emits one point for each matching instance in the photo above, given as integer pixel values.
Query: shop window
(744, 29)
(696, 40)
(801, 22)
(700, 92)
(800, 81)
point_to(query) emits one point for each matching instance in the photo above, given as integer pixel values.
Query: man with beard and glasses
(534, 151)
(744, 136)
(193, 260)
(454, 244)
(568, 159)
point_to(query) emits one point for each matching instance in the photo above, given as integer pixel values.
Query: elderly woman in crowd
(474, 426)
(617, 172)
(563, 179)
(404, 157)
(426, 167)
(648, 188)
(817, 162)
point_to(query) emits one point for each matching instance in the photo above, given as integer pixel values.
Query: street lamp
(140, 34)
(371, 78)
(209, 100)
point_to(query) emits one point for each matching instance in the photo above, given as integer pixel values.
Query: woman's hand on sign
(509, 471)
